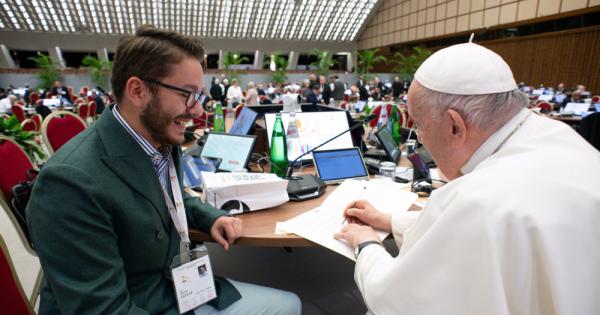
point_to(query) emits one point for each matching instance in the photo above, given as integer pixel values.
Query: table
(259, 226)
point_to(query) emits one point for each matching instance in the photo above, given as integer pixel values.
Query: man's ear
(459, 127)
(137, 92)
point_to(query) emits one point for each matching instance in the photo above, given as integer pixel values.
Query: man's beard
(156, 122)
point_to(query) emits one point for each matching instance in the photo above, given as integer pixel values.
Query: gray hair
(250, 84)
(486, 111)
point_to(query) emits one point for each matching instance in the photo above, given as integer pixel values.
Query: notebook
(233, 150)
(335, 166)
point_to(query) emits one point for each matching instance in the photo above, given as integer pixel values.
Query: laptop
(244, 122)
(577, 108)
(233, 150)
(335, 166)
(193, 166)
(51, 102)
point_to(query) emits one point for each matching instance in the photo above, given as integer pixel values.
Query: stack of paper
(320, 224)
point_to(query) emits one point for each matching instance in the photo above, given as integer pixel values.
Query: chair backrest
(14, 164)
(92, 110)
(589, 129)
(595, 99)
(83, 111)
(18, 111)
(38, 120)
(238, 109)
(59, 127)
(545, 107)
(13, 299)
(33, 97)
(29, 125)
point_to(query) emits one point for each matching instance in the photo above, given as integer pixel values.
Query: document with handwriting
(319, 225)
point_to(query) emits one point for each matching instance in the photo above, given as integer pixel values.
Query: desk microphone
(309, 186)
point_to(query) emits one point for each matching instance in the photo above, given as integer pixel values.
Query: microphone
(364, 121)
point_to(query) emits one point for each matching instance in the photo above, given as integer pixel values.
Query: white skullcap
(466, 69)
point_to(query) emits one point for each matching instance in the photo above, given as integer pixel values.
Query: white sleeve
(400, 222)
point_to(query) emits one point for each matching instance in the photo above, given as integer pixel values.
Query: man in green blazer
(98, 214)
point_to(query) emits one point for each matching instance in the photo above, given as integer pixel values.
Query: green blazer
(102, 230)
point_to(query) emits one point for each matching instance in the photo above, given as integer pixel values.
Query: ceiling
(292, 20)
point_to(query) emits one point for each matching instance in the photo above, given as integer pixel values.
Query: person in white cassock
(517, 228)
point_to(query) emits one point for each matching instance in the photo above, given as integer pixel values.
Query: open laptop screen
(244, 121)
(314, 128)
(389, 144)
(334, 166)
(233, 150)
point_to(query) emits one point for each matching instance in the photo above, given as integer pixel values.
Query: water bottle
(293, 139)
(229, 116)
(278, 153)
(383, 116)
(395, 124)
(218, 123)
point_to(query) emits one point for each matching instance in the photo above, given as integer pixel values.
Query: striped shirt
(160, 158)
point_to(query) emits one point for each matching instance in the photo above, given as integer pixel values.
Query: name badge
(194, 284)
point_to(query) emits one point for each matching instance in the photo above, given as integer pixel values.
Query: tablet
(233, 150)
(244, 121)
(193, 166)
(335, 166)
(385, 138)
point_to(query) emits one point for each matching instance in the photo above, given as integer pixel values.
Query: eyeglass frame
(198, 95)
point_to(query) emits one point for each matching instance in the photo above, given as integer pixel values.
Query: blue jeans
(257, 300)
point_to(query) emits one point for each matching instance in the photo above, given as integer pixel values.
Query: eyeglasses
(191, 96)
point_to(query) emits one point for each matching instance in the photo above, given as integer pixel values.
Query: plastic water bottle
(293, 138)
(383, 116)
(218, 123)
(278, 153)
(229, 117)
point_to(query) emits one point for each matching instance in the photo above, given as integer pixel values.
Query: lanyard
(177, 211)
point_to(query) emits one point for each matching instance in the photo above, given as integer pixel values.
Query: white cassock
(518, 233)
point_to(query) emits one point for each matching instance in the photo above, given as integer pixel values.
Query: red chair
(344, 105)
(595, 99)
(92, 110)
(13, 299)
(346, 98)
(18, 111)
(83, 111)
(237, 109)
(33, 97)
(48, 94)
(29, 125)
(545, 107)
(59, 127)
(84, 89)
(38, 120)
(14, 164)
(376, 111)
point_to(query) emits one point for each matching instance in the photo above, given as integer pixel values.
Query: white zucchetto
(466, 69)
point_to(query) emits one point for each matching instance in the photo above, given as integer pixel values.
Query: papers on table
(319, 225)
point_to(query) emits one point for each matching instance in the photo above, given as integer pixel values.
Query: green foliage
(49, 71)
(100, 71)
(324, 61)
(231, 59)
(11, 128)
(281, 64)
(367, 59)
(406, 66)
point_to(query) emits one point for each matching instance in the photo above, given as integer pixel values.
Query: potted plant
(231, 59)
(367, 60)
(99, 70)
(324, 61)
(278, 64)
(49, 71)
(11, 128)
(406, 66)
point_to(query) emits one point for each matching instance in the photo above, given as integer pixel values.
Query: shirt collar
(154, 154)
(495, 141)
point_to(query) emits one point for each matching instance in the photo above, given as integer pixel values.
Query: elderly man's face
(436, 136)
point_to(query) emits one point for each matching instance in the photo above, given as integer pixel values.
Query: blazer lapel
(128, 161)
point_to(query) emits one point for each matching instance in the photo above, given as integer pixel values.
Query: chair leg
(35, 293)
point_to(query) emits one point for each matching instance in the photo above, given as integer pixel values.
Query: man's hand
(226, 230)
(355, 234)
(362, 212)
